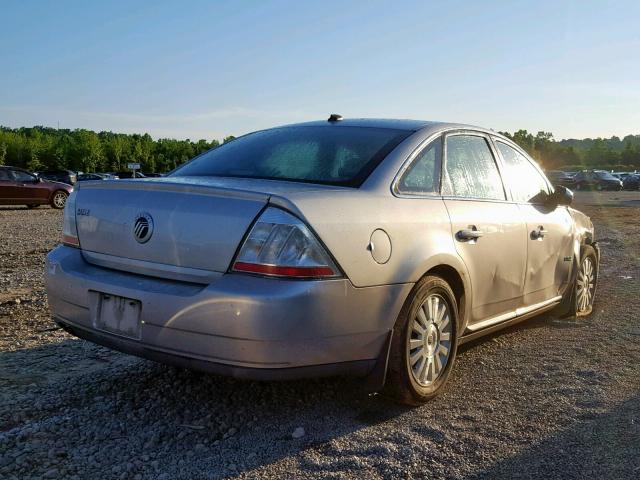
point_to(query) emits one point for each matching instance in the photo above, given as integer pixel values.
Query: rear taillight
(69, 228)
(281, 245)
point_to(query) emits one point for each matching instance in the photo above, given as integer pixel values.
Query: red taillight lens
(70, 240)
(301, 272)
(69, 227)
(281, 245)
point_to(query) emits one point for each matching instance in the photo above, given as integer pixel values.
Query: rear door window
(471, 169)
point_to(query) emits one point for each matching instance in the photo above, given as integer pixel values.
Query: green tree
(525, 140)
(597, 154)
(88, 151)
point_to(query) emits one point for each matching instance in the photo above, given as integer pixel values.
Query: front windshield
(334, 155)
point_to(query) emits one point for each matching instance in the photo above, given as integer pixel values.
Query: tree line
(44, 148)
(601, 153)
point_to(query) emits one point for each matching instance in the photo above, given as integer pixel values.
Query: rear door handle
(538, 233)
(471, 233)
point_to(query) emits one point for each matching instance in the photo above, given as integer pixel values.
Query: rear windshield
(334, 155)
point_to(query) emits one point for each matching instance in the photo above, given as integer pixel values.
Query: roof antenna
(334, 117)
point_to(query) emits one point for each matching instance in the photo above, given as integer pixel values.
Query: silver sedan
(364, 247)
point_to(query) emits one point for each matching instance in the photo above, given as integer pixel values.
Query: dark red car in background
(19, 187)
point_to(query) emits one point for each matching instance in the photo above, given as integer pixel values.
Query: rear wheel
(424, 343)
(59, 199)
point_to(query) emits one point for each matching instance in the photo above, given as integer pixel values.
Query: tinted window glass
(333, 155)
(525, 181)
(423, 175)
(4, 174)
(605, 175)
(23, 176)
(471, 169)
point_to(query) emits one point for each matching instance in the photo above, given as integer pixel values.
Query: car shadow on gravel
(548, 320)
(166, 416)
(20, 207)
(599, 445)
(90, 402)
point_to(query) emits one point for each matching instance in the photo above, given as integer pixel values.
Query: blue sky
(210, 69)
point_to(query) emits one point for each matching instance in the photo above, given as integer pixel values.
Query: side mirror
(561, 196)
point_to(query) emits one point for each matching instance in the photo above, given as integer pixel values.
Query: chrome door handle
(538, 233)
(469, 234)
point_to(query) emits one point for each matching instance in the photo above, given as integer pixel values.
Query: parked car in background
(363, 247)
(153, 175)
(83, 177)
(597, 180)
(631, 181)
(129, 174)
(20, 187)
(65, 176)
(557, 177)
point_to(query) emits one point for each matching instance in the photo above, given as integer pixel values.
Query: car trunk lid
(193, 230)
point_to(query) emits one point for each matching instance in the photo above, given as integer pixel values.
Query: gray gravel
(549, 398)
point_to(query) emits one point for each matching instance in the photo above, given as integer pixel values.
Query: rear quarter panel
(419, 230)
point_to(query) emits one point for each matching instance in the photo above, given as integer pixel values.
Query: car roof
(398, 124)
(6, 167)
(427, 126)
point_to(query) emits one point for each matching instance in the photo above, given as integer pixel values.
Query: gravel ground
(548, 398)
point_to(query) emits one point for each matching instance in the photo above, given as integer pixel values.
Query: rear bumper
(351, 368)
(239, 325)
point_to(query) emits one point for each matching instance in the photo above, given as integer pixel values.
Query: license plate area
(116, 315)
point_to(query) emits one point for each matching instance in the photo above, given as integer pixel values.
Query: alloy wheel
(585, 284)
(59, 199)
(429, 342)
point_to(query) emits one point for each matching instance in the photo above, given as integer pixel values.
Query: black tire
(575, 308)
(59, 199)
(33, 205)
(401, 383)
